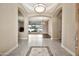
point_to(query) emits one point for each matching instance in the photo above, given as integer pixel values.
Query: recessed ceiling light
(39, 8)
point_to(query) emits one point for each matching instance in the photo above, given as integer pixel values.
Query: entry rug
(39, 51)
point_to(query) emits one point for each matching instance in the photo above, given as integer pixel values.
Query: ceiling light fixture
(39, 8)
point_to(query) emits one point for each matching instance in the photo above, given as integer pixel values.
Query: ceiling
(38, 18)
(34, 22)
(30, 7)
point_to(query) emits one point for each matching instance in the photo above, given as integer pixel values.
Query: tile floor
(39, 51)
(38, 40)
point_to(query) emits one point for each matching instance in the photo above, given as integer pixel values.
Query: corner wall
(50, 27)
(8, 27)
(55, 28)
(68, 27)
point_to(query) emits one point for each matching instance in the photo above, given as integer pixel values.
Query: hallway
(23, 24)
(38, 40)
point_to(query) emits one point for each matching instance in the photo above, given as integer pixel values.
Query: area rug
(39, 51)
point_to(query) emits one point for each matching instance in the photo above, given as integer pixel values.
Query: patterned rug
(39, 51)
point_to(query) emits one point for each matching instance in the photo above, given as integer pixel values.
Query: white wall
(45, 27)
(20, 24)
(20, 34)
(59, 26)
(55, 28)
(23, 17)
(68, 27)
(26, 27)
(50, 27)
(8, 27)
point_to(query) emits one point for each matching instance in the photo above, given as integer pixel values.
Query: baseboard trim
(8, 52)
(72, 53)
